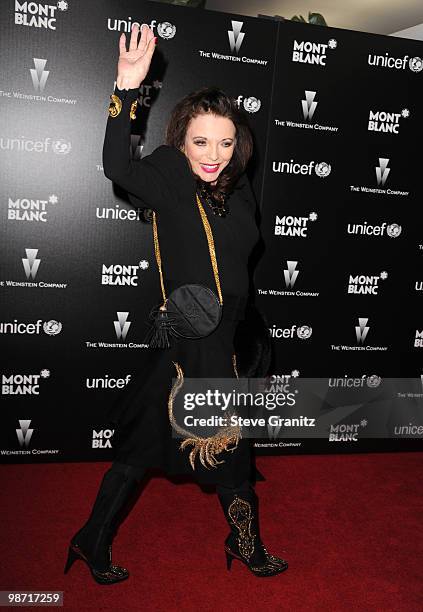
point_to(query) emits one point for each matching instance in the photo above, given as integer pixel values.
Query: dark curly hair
(214, 100)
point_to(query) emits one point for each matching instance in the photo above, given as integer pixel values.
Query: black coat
(163, 181)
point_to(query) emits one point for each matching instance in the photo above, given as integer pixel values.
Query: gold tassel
(206, 448)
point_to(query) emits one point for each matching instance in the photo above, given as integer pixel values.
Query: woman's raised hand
(133, 65)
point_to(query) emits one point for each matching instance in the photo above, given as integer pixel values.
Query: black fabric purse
(190, 311)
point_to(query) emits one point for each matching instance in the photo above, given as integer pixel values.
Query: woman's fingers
(151, 45)
(122, 43)
(133, 43)
(144, 37)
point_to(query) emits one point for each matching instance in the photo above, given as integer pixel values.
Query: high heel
(272, 566)
(244, 542)
(93, 542)
(228, 559)
(114, 573)
(72, 556)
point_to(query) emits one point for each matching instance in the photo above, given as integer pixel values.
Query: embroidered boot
(93, 542)
(240, 506)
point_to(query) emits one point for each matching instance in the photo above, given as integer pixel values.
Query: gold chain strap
(212, 251)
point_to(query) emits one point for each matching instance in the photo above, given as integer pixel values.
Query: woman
(208, 147)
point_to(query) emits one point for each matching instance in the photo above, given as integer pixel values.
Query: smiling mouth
(210, 167)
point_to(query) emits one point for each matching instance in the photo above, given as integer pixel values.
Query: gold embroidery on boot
(241, 515)
(206, 448)
(234, 364)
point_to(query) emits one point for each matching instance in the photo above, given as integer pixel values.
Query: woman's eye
(199, 142)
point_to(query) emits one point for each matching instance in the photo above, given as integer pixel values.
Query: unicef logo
(52, 327)
(323, 169)
(304, 332)
(61, 147)
(394, 230)
(416, 64)
(166, 30)
(373, 381)
(252, 104)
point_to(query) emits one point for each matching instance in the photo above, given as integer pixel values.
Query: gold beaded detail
(115, 105)
(241, 515)
(211, 246)
(133, 109)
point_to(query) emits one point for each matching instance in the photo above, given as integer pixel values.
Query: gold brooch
(115, 106)
(133, 109)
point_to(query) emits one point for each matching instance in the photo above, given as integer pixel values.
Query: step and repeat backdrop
(337, 273)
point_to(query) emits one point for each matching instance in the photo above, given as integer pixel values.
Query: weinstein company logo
(30, 265)
(39, 78)
(236, 38)
(361, 333)
(24, 435)
(289, 226)
(290, 274)
(382, 171)
(308, 52)
(308, 108)
(364, 284)
(121, 327)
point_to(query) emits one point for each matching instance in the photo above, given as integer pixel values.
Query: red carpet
(350, 527)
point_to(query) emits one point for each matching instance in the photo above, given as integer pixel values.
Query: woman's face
(209, 145)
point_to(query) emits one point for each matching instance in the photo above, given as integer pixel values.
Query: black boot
(93, 542)
(240, 506)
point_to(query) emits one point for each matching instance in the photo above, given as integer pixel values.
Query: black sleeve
(141, 178)
(246, 192)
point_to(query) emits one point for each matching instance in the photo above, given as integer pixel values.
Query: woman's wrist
(125, 83)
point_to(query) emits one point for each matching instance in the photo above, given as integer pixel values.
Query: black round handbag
(191, 310)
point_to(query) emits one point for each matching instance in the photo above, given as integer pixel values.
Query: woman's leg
(95, 537)
(240, 506)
